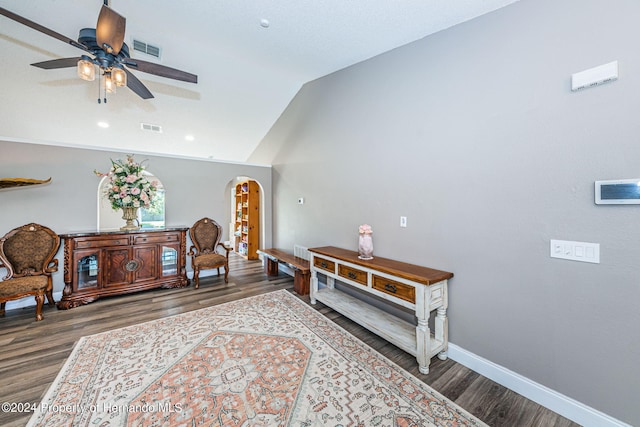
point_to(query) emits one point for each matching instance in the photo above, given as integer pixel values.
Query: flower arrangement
(128, 186)
(365, 229)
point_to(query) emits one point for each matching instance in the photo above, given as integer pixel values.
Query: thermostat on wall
(618, 192)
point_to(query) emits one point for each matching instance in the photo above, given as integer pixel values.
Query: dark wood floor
(33, 352)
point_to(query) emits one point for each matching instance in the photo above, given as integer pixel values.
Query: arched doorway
(246, 216)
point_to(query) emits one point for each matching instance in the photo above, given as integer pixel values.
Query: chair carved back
(205, 235)
(28, 250)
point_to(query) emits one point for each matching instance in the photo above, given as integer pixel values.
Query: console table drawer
(324, 264)
(101, 243)
(354, 274)
(137, 240)
(397, 289)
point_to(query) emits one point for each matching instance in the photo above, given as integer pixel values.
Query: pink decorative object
(365, 242)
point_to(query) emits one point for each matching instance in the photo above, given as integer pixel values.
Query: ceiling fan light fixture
(109, 83)
(118, 76)
(86, 70)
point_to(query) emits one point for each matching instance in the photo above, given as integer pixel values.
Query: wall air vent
(151, 128)
(140, 46)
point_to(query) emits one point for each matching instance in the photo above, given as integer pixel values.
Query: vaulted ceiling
(251, 58)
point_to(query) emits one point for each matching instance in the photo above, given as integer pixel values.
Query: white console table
(417, 288)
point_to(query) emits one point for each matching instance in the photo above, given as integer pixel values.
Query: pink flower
(131, 178)
(135, 191)
(365, 229)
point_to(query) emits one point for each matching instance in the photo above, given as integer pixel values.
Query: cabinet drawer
(164, 238)
(397, 289)
(353, 274)
(324, 264)
(101, 243)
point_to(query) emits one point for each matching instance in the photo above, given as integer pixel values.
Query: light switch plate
(575, 251)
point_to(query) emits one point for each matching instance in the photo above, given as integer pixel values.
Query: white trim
(550, 399)
(29, 301)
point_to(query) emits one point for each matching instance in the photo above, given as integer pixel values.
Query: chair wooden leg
(196, 278)
(39, 304)
(226, 274)
(50, 297)
(2, 305)
(49, 292)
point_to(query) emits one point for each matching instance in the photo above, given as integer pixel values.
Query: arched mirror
(148, 218)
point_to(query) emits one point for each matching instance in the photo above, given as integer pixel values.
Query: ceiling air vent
(151, 128)
(148, 49)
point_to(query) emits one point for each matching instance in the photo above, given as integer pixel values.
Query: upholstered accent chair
(27, 254)
(205, 236)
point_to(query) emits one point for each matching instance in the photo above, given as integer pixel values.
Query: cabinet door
(169, 260)
(117, 267)
(86, 270)
(145, 257)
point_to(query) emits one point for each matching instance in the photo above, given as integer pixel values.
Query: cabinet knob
(352, 275)
(391, 288)
(324, 264)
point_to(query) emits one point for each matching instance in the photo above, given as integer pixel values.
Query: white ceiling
(247, 74)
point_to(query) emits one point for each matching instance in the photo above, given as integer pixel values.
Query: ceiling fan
(106, 51)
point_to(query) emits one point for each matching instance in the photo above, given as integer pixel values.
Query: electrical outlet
(403, 221)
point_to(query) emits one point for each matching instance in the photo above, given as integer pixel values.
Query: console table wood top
(415, 273)
(110, 231)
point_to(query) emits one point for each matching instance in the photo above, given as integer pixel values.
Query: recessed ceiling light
(264, 23)
(189, 138)
(103, 125)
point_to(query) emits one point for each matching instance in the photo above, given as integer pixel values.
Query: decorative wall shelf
(21, 182)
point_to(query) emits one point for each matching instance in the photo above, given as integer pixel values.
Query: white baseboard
(557, 402)
(29, 301)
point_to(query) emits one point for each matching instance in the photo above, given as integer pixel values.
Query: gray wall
(474, 135)
(194, 189)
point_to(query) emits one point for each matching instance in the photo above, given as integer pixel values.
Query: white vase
(365, 246)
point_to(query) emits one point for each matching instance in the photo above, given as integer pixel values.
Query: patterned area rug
(268, 360)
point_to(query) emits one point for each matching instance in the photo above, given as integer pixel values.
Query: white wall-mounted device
(618, 192)
(595, 76)
(576, 251)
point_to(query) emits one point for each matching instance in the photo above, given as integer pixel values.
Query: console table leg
(441, 328)
(313, 286)
(423, 345)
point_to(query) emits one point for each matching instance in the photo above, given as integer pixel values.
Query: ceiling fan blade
(160, 70)
(57, 63)
(110, 30)
(136, 85)
(42, 29)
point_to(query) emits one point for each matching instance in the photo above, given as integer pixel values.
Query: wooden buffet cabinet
(422, 290)
(108, 263)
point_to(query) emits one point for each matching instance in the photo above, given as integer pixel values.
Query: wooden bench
(300, 266)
